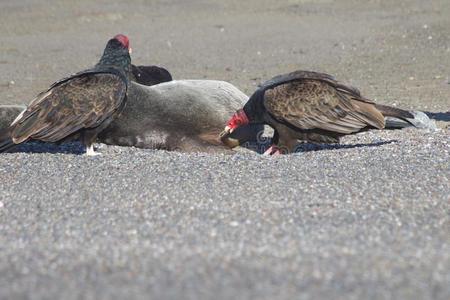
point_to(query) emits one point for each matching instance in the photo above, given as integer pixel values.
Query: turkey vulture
(82, 104)
(310, 106)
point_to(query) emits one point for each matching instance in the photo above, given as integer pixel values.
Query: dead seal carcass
(183, 115)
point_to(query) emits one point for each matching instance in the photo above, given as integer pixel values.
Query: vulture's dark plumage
(82, 104)
(312, 107)
(150, 75)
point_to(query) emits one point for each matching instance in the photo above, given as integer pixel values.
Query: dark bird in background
(82, 104)
(150, 75)
(312, 107)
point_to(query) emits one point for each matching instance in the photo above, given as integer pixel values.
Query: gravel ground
(367, 219)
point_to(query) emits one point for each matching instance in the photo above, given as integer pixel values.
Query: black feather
(6, 142)
(389, 111)
(150, 75)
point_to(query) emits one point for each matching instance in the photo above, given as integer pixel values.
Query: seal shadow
(439, 116)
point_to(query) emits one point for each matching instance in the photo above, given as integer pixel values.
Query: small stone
(1, 204)
(234, 223)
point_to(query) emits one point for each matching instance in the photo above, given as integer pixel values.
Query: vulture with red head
(310, 106)
(82, 104)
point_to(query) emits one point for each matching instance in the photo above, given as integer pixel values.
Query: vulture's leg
(284, 141)
(273, 149)
(91, 152)
(88, 137)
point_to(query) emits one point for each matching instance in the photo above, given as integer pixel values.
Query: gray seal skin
(182, 115)
(8, 113)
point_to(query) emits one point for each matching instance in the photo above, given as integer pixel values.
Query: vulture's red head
(238, 119)
(124, 41)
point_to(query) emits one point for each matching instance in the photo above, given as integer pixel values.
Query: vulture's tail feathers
(399, 118)
(6, 142)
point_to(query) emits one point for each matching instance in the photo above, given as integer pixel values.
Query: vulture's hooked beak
(237, 120)
(227, 139)
(130, 50)
(227, 130)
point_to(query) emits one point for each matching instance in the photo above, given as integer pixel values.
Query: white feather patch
(18, 117)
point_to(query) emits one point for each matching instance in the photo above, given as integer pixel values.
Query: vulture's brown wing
(81, 102)
(305, 75)
(317, 104)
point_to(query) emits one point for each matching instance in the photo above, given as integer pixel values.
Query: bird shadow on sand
(309, 147)
(40, 147)
(439, 116)
(77, 148)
